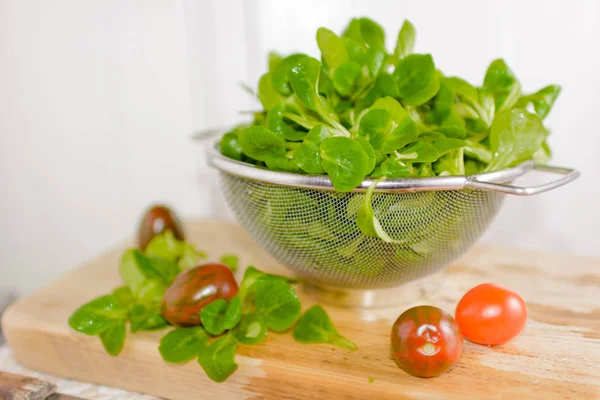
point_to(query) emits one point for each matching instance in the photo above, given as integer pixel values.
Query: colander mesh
(315, 234)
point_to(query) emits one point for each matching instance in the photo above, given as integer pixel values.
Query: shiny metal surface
(375, 298)
(308, 226)
(314, 232)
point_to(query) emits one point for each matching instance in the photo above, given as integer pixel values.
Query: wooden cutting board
(557, 356)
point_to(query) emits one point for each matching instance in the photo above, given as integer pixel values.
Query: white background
(98, 100)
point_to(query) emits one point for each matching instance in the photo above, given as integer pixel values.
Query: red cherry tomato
(426, 341)
(490, 314)
(194, 289)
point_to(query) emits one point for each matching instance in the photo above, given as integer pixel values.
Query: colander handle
(569, 175)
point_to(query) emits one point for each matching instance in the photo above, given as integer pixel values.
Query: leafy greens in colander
(363, 112)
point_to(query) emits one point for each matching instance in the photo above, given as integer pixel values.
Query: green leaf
(350, 248)
(419, 152)
(274, 60)
(418, 80)
(315, 326)
(443, 103)
(123, 296)
(476, 127)
(308, 158)
(280, 76)
(98, 315)
(218, 358)
(374, 59)
(543, 155)
(462, 88)
(113, 338)
(353, 30)
(357, 51)
(405, 133)
(231, 260)
(278, 304)
(487, 106)
(218, 316)
(385, 85)
(252, 329)
(377, 172)
(368, 151)
(346, 77)
(230, 146)
(473, 103)
(277, 124)
(326, 88)
(366, 220)
(406, 40)
(345, 161)
(151, 291)
(542, 100)
(425, 170)
(442, 143)
(281, 163)
(318, 229)
(452, 131)
(260, 143)
(394, 168)
(304, 77)
(478, 151)
(515, 136)
(317, 134)
(190, 258)
(144, 318)
(403, 130)
(182, 344)
(473, 167)
(502, 83)
(268, 96)
(253, 277)
(332, 47)
(380, 157)
(165, 245)
(391, 105)
(451, 163)
(371, 32)
(375, 125)
(166, 268)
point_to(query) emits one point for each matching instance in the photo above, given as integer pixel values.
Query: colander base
(375, 298)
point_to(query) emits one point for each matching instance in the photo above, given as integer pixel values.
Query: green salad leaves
(359, 111)
(182, 344)
(265, 302)
(315, 326)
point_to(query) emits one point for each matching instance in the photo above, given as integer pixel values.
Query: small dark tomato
(194, 289)
(426, 341)
(490, 314)
(156, 220)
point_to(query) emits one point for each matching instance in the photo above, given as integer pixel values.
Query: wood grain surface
(556, 357)
(19, 387)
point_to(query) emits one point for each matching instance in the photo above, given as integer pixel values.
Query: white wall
(98, 101)
(95, 117)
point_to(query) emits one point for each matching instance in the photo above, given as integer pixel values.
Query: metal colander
(309, 227)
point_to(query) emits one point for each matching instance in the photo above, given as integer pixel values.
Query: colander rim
(241, 169)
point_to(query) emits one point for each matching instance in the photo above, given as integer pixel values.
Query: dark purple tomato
(426, 341)
(156, 220)
(194, 289)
